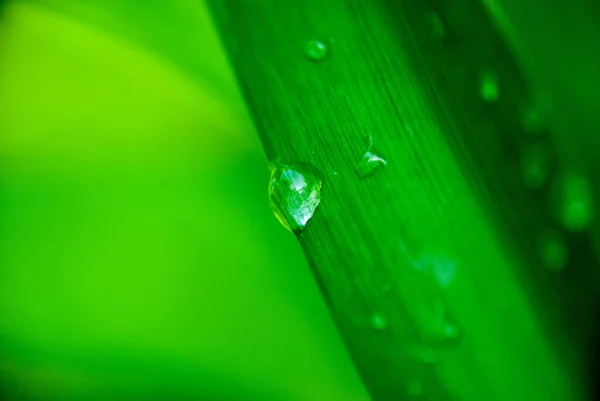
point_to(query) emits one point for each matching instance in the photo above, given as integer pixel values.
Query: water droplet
(573, 201)
(554, 252)
(370, 161)
(378, 321)
(294, 193)
(536, 165)
(316, 50)
(437, 26)
(488, 87)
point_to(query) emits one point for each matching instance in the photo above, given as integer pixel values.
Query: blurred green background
(139, 258)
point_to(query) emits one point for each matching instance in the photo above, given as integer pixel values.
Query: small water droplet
(536, 165)
(294, 193)
(554, 252)
(573, 201)
(378, 321)
(316, 50)
(370, 161)
(488, 87)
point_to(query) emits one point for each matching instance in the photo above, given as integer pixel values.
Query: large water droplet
(294, 193)
(573, 201)
(488, 87)
(316, 50)
(536, 165)
(378, 321)
(554, 252)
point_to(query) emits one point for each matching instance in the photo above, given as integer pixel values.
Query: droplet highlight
(488, 87)
(378, 321)
(573, 201)
(294, 194)
(316, 50)
(554, 253)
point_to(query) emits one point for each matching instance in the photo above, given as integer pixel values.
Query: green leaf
(435, 251)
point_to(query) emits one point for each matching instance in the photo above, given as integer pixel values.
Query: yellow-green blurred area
(139, 258)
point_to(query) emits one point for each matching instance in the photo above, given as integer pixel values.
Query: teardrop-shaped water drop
(295, 194)
(316, 50)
